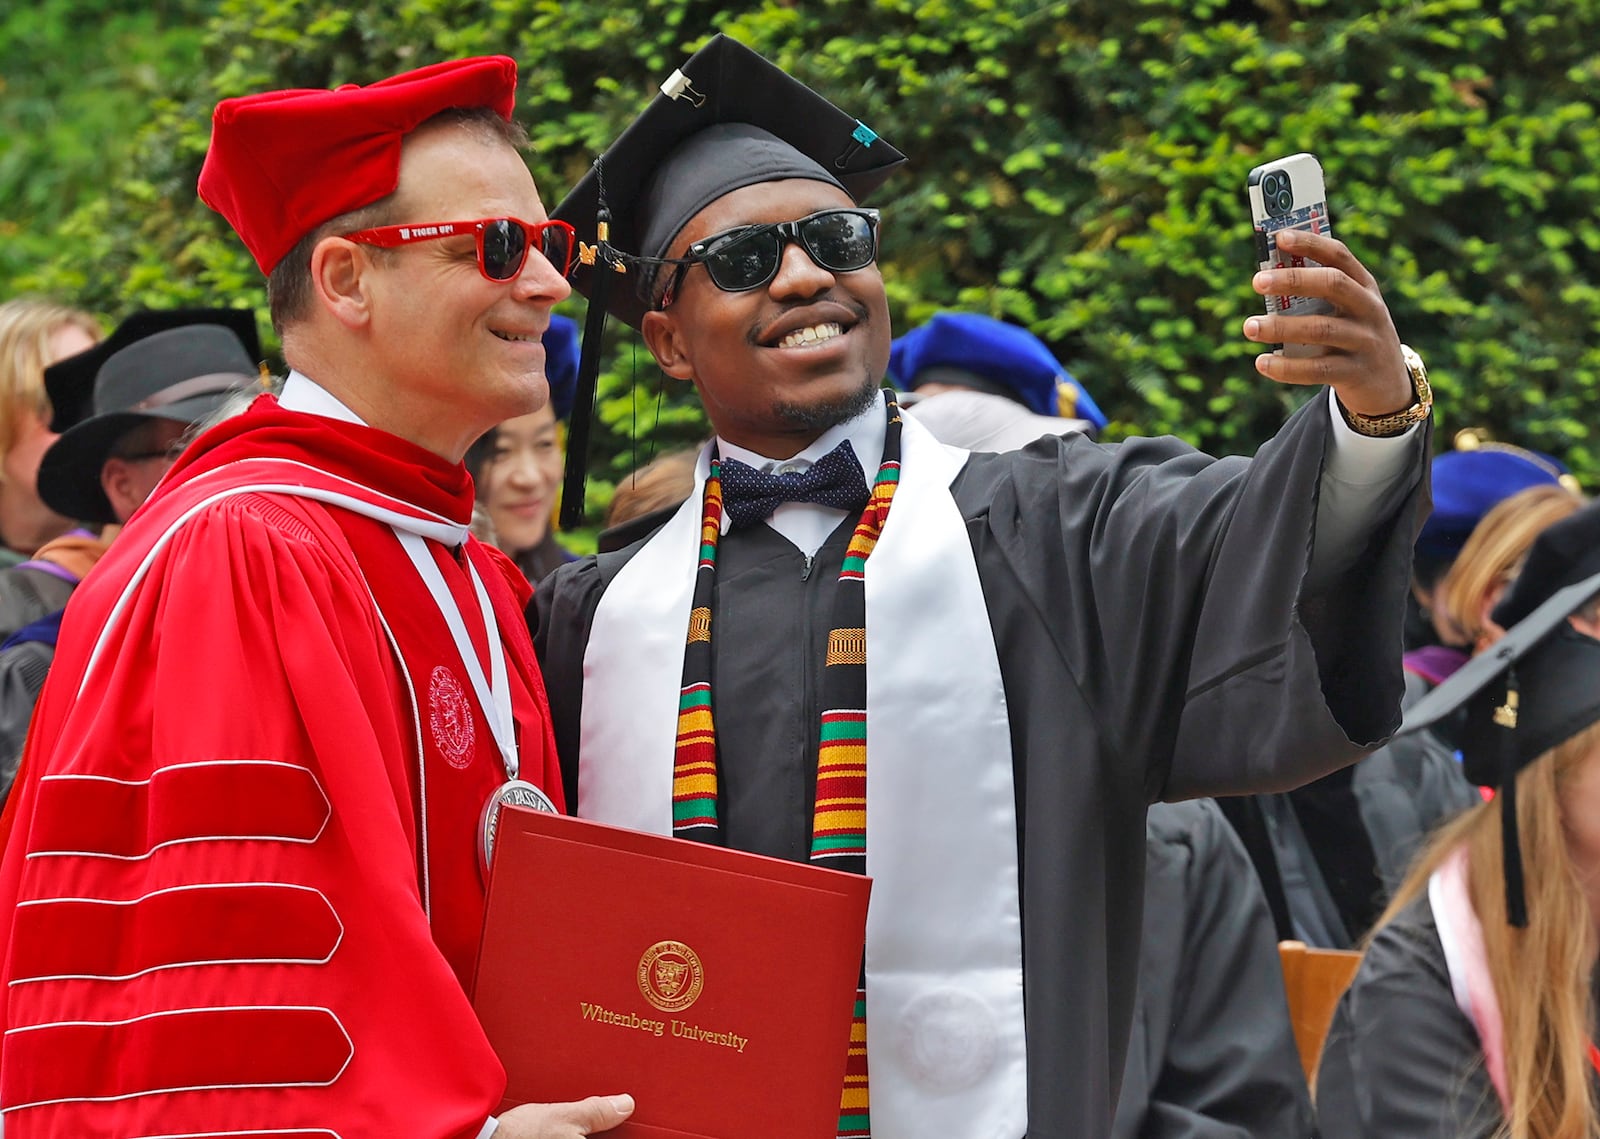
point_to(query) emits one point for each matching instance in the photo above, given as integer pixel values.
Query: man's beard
(818, 417)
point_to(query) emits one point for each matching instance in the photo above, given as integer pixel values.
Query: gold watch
(1399, 421)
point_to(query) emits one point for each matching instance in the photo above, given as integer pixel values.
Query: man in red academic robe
(244, 886)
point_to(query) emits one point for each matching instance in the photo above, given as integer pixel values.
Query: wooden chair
(1314, 980)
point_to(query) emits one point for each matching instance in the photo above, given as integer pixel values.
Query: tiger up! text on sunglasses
(838, 240)
(502, 243)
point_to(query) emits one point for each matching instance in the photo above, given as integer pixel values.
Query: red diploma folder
(715, 987)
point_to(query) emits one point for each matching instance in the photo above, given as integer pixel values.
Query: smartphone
(1289, 194)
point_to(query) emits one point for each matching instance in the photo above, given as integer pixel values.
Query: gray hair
(235, 404)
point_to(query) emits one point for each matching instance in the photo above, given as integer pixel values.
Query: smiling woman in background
(33, 335)
(517, 466)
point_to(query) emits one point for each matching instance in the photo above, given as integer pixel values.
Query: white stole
(947, 1053)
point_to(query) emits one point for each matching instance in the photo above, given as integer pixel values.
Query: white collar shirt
(302, 393)
(807, 525)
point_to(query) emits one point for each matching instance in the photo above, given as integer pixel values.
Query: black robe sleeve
(1173, 587)
(1400, 1058)
(1212, 1054)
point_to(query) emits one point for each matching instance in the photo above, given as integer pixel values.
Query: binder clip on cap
(677, 86)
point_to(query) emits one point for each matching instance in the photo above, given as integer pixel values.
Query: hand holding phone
(1353, 348)
(1289, 194)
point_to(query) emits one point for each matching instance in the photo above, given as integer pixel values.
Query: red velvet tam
(283, 162)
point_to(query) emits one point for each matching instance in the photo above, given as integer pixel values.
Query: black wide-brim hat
(1534, 688)
(180, 374)
(70, 383)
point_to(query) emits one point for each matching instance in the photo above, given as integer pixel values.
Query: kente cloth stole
(839, 819)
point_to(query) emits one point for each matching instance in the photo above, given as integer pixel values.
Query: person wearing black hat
(1473, 1012)
(287, 706)
(965, 674)
(132, 397)
(40, 586)
(149, 391)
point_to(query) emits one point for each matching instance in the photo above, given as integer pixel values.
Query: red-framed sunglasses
(503, 243)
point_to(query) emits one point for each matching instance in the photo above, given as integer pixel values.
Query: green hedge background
(1076, 167)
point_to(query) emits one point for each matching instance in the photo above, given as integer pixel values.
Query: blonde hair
(666, 481)
(1494, 552)
(1540, 973)
(26, 327)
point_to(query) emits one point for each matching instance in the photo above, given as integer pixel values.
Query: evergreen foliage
(1077, 167)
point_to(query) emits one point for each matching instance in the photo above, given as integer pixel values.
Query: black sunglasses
(502, 243)
(838, 240)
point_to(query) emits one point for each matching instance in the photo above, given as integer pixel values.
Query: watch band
(1397, 422)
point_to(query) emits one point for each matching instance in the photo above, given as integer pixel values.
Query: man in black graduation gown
(1053, 638)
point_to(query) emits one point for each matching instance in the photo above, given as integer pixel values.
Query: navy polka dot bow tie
(750, 496)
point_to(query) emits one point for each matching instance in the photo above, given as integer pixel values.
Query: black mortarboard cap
(657, 175)
(1535, 687)
(725, 119)
(1564, 554)
(70, 383)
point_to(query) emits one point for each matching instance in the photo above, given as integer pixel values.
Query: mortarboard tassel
(583, 399)
(1505, 717)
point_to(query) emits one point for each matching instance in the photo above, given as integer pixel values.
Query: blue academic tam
(561, 363)
(1469, 484)
(990, 355)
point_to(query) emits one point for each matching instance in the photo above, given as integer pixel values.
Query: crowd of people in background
(1460, 855)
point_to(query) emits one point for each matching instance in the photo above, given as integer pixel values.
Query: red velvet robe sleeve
(213, 917)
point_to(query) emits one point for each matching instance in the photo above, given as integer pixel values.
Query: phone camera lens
(1277, 193)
